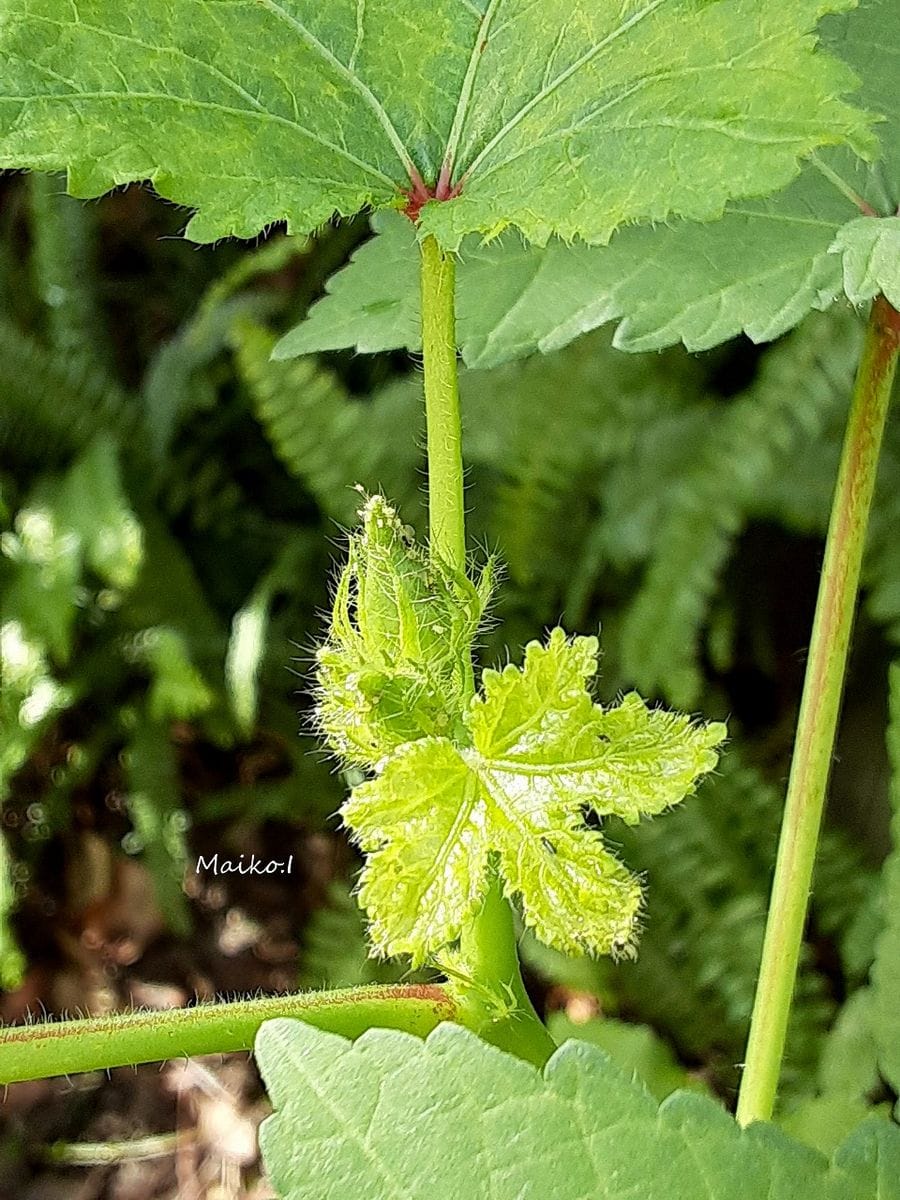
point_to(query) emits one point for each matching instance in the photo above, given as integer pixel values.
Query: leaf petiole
(817, 723)
(98, 1043)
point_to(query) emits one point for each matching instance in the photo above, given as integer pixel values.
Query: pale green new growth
(395, 665)
(533, 755)
(569, 117)
(391, 1117)
(871, 250)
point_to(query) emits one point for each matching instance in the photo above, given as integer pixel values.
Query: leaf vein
(548, 90)
(362, 89)
(206, 105)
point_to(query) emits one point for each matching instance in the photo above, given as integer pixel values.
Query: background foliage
(170, 501)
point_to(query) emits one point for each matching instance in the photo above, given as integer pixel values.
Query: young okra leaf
(391, 1116)
(533, 754)
(569, 117)
(759, 270)
(396, 663)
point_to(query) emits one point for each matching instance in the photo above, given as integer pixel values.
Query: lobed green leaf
(533, 755)
(454, 1119)
(759, 270)
(871, 258)
(569, 118)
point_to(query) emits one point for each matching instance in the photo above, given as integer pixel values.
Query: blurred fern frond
(335, 952)
(158, 818)
(63, 264)
(541, 432)
(800, 385)
(325, 438)
(55, 401)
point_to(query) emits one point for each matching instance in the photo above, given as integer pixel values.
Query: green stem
(817, 723)
(94, 1044)
(103, 1154)
(488, 944)
(443, 425)
(500, 1010)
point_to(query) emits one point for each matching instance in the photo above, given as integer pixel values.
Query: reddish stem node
(420, 193)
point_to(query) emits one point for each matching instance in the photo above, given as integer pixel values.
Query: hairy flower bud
(396, 665)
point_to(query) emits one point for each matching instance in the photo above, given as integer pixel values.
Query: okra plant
(694, 168)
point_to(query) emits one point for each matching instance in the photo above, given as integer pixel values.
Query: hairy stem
(488, 945)
(506, 1017)
(443, 426)
(820, 704)
(94, 1044)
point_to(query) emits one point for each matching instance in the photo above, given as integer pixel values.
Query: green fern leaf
(246, 644)
(322, 436)
(63, 251)
(748, 441)
(886, 971)
(159, 822)
(847, 1078)
(536, 461)
(177, 382)
(335, 948)
(79, 523)
(55, 402)
(12, 962)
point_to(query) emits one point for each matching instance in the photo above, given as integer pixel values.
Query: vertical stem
(488, 949)
(488, 945)
(817, 723)
(443, 426)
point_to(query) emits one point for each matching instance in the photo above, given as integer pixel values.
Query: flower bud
(396, 665)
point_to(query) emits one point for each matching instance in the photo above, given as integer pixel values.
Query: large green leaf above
(619, 112)
(394, 1118)
(569, 117)
(536, 752)
(759, 270)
